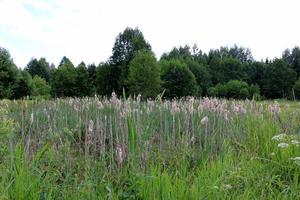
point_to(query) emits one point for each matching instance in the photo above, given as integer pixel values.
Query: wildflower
(283, 145)
(175, 108)
(204, 121)
(272, 154)
(228, 186)
(226, 116)
(113, 95)
(193, 140)
(120, 154)
(91, 126)
(99, 104)
(287, 106)
(295, 142)
(138, 98)
(276, 108)
(279, 137)
(200, 108)
(31, 119)
(296, 160)
(191, 105)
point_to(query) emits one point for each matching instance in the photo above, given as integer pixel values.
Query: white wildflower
(279, 137)
(31, 119)
(283, 145)
(296, 160)
(204, 121)
(228, 187)
(138, 98)
(272, 154)
(91, 126)
(294, 142)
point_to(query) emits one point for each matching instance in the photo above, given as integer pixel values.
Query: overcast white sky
(86, 30)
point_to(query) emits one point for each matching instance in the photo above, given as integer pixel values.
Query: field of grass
(97, 148)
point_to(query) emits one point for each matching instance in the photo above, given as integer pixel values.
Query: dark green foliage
(240, 53)
(64, 79)
(219, 90)
(178, 80)
(22, 86)
(92, 77)
(181, 53)
(107, 79)
(202, 75)
(237, 89)
(8, 74)
(82, 82)
(292, 57)
(127, 44)
(144, 75)
(234, 89)
(224, 70)
(196, 62)
(39, 67)
(297, 89)
(278, 79)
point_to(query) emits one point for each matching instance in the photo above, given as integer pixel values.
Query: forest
(132, 69)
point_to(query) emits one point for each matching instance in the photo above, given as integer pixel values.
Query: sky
(86, 30)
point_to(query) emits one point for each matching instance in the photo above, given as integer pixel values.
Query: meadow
(129, 148)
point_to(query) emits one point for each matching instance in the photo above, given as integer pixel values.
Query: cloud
(86, 30)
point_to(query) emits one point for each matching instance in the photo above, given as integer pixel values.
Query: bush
(144, 75)
(234, 89)
(178, 80)
(40, 87)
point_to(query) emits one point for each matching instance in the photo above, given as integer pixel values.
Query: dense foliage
(133, 69)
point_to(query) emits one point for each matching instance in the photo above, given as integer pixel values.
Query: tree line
(133, 68)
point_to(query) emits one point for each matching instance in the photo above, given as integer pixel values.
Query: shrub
(144, 75)
(178, 80)
(40, 87)
(234, 89)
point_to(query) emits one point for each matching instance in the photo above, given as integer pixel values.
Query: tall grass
(100, 148)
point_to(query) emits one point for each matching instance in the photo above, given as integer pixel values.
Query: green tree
(297, 89)
(219, 90)
(8, 74)
(144, 75)
(64, 79)
(202, 75)
(39, 67)
(106, 81)
(127, 44)
(181, 53)
(278, 80)
(92, 77)
(237, 89)
(23, 85)
(234, 89)
(82, 82)
(292, 57)
(40, 87)
(178, 80)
